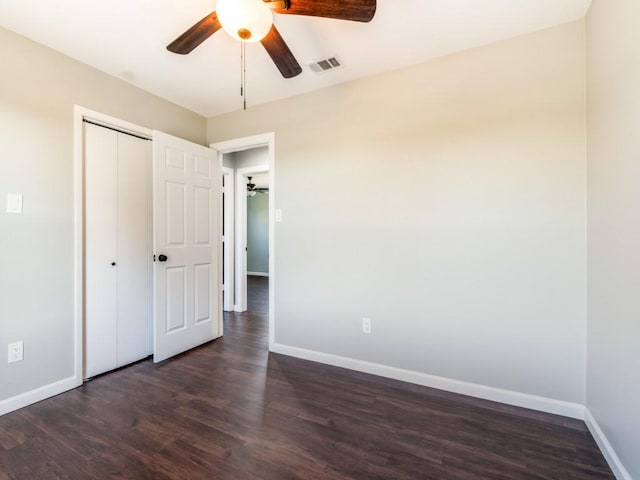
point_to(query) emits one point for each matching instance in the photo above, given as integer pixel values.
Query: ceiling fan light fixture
(247, 20)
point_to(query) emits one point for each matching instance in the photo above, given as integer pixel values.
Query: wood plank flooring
(231, 410)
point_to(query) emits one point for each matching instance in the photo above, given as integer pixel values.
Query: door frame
(229, 226)
(79, 115)
(247, 143)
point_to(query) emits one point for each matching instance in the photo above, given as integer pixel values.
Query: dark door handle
(113, 264)
(162, 258)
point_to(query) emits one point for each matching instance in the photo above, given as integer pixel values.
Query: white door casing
(187, 230)
(228, 175)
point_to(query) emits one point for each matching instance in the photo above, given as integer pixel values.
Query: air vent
(325, 65)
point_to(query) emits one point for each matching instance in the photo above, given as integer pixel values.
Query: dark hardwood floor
(231, 410)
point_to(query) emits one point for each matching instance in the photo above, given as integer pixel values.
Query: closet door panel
(134, 262)
(101, 149)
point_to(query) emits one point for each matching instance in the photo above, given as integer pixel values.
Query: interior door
(187, 237)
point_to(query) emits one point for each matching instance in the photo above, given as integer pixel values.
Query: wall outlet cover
(15, 352)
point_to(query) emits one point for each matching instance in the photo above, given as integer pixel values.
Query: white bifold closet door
(118, 257)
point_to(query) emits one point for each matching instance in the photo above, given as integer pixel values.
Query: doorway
(244, 200)
(242, 171)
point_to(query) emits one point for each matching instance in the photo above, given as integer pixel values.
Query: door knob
(113, 264)
(162, 258)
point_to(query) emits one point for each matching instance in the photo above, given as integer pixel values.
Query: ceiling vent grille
(325, 65)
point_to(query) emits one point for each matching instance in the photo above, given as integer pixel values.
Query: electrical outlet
(15, 352)
(366, 325)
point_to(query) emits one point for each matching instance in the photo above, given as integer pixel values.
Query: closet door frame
(80, 115)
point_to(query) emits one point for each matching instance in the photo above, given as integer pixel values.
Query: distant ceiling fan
(252, 188)
(252, 21)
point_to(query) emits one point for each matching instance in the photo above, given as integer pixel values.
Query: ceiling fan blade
(197, 34)
(279, 52)
(354, 10)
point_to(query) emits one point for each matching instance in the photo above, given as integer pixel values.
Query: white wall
(38, 88)
(613, 85)
(253, 157)
(446, 202)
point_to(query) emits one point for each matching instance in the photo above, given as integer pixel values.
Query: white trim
(533, 402)
(80, 114)
(113, 122)
(245, 143)
(41, 393)
(78, 243)
(607, 450)
(220, 250)
(258, 274)
(229, 241)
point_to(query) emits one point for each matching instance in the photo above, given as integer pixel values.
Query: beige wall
(446, 202)
(38, 88)
(613, 85)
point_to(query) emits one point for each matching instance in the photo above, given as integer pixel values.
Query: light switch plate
(14, 203)
(278, 215)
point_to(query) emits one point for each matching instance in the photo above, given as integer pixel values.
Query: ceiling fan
(252, 188)
(252, 21)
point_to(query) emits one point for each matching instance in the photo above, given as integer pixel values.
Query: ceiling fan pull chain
(243, 73)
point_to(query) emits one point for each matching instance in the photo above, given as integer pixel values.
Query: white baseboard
(258, 274)
(38, 394)
(533, 402)
(609, 453)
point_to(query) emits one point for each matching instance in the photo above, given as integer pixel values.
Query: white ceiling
(127, 39)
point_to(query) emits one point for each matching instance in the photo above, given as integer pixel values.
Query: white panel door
(187, 243)
(134, 248)
(100, 153)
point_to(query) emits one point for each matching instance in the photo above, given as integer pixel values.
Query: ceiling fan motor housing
(252, 21)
